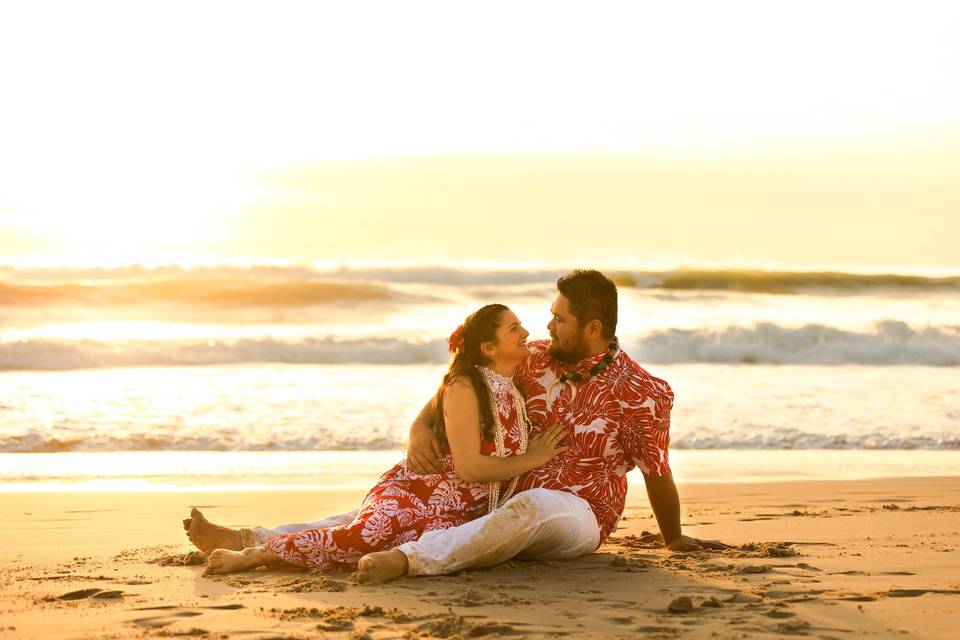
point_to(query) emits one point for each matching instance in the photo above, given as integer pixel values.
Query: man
(617, 416)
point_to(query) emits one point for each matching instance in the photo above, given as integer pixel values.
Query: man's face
(567, 343)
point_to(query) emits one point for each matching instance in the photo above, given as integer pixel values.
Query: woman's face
(511, 345)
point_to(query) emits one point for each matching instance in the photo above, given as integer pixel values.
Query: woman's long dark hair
(479, 327)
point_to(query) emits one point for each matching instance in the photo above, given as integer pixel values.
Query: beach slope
(822, 559)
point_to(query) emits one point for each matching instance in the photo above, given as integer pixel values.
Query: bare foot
(222, 561)
(382, 566)
(207, 536)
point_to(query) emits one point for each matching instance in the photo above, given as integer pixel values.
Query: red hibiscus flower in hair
(455, 341)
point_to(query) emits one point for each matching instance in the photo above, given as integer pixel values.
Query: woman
(479, 416)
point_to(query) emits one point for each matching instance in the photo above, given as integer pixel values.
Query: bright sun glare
(138, 131)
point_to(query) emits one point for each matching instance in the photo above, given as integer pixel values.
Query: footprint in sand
(658, 630)
(793, 628)
(192, 558)
(78, 595)
(777, 613)
(744, 598)
(451, 625)
(913, 593)
(752, 568)
(83, 594)
(174, 613)
(157, 622)
(849, 573)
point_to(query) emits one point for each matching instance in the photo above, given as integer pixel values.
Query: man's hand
(665, 502)
(686, 543)
(424, 451)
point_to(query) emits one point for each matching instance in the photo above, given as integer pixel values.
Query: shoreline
(277, 471)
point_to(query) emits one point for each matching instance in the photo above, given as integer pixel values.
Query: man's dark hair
(592, 295)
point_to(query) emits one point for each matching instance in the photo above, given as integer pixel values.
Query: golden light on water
(116, 331)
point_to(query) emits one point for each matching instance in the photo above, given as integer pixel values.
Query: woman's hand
(547, 445)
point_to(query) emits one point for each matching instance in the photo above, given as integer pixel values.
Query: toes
(186, 524)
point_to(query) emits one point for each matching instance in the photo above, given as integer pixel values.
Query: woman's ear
(488, 349)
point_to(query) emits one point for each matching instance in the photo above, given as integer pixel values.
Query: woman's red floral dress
(404, 505)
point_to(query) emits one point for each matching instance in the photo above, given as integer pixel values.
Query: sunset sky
(740, 133)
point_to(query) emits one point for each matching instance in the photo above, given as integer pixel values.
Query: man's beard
(572, 353)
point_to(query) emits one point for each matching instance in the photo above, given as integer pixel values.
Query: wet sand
(821, 559)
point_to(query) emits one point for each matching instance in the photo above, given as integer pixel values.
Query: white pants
(537, 524)
(259, 535)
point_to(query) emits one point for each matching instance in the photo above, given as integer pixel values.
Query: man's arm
(423, 447)
(665, 502)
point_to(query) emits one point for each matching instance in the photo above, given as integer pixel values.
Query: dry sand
(837, 559)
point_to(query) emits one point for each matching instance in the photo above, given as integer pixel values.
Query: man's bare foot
(207, 536)
(382, 566)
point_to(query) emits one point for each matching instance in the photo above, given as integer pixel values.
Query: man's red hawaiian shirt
(617, 420)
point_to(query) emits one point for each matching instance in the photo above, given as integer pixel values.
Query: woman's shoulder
(460, 389)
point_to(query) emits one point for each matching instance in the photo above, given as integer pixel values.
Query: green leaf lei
(577, 377)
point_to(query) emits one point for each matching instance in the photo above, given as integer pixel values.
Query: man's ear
(594, 329)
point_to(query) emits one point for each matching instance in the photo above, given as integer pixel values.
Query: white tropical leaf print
(446, 497)
(385, 507)
(376, 529)
(406, 536)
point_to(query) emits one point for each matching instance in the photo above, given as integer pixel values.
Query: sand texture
(835, 559)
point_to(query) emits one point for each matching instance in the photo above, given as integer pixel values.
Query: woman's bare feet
(382, 566)
(222, 561)
(207, 536)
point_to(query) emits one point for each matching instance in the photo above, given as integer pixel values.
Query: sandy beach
(823, 559)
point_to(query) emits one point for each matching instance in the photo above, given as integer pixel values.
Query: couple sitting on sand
(522, 453)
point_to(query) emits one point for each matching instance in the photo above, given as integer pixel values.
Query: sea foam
(890, 342)
(771, 439)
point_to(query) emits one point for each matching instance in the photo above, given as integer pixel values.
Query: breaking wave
(789, 281)
(258, 282)
(46, 354)
(790, 438)
(891, 342)
(243, 440)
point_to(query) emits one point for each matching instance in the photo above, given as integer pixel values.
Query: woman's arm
(461, 412)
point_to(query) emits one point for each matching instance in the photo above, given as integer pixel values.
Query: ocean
(283, 375)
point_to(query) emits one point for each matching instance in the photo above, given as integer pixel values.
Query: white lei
(502, 393)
